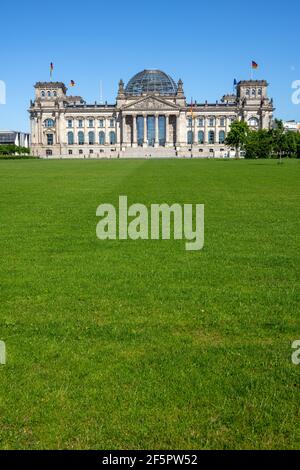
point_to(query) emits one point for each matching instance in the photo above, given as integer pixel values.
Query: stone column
(205, 130)
(40, 126)
(195, 131)
(156, 132)
(134, 130)
(106, 130)
(177, 131)
(61, 120)
(167, 131)
(57, 139)
(226, 125)
(118, 129)
(123, 129)
(145, 144)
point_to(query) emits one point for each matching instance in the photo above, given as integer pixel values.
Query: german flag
(51, 69)
(254, 65)
(72, 83)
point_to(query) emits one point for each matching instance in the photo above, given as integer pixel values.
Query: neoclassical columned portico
(149, 129)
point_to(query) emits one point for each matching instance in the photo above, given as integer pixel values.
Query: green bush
(11, 149)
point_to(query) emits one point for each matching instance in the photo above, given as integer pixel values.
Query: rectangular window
(101, 123)
(201, 122)
(80, 152)
(49, 139)
(70, 152)
(222, 122)
(80, 123)
(190, 122)
(70, 123)
(91, 123)
(211, 122)
(91, 151)
(111, 123)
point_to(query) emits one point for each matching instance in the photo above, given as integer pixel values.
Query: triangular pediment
(150, 103)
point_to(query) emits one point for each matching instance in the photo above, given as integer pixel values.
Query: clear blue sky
(207, 44)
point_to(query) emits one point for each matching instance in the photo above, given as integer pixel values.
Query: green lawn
(140, 344)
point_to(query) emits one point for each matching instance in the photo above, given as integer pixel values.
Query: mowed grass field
(140, 344)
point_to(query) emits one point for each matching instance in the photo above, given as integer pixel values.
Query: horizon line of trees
(264, 143)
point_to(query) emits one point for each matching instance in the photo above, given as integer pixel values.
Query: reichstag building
(151, 118)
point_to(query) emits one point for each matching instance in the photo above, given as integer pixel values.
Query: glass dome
(151, 81)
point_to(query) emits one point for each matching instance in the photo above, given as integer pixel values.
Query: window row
(48, 93)
(254, 92)
(49, 152)
(92, 123)
(201, 137)
(211, 122)
(80, 123)
(91, 138)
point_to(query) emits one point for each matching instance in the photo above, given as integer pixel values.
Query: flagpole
(192, 128)
(101, 92)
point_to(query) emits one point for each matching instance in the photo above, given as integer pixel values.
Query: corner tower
(254, 105)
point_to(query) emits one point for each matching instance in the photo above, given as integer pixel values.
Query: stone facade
(141, 124)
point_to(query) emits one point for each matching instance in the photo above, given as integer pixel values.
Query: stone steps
(148, 152)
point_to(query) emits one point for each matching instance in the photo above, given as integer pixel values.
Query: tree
(278, 138)
(290, 144)
(259, 144)
(298, 144)
(237, 136)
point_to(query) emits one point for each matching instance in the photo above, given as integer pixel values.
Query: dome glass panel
(151, 81)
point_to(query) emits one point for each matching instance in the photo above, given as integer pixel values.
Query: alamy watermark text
(136, 222)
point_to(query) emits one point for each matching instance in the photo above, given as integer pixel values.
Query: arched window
(259, 91)
(248, 92)
(112, 138)
(101, 138)
(54, 93)
(49, 93)
(211, 137)
(200, 137)
(49, 123)
(80, 138)
(253, 92)
(221, 137)
(91, 138)
(70, 138)
(43, 94)
(190, 137)
(253, 122)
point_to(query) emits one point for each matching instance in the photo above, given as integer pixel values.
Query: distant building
(20, 139)
(293, 126)
(151, 117)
